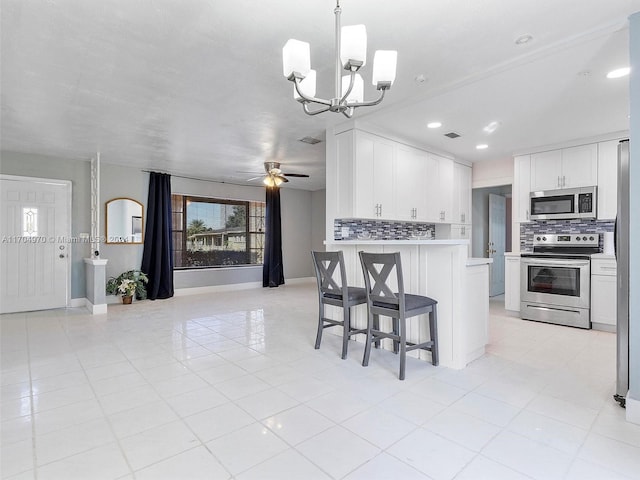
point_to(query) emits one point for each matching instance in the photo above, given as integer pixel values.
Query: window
(211, 232)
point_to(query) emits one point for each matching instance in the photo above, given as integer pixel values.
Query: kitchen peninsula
(440, 269)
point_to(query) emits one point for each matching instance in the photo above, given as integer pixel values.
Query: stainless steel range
(555, 279)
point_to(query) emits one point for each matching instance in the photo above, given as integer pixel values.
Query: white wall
(318, 219)
(492, 173)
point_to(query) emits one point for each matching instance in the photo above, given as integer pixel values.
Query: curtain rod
(200, 179)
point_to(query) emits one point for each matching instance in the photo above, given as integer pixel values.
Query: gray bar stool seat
(382, 300)
(333, 290)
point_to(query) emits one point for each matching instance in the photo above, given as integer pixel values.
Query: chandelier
(351, 55)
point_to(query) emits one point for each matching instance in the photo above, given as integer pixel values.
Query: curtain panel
(157, 255)
(272, 273)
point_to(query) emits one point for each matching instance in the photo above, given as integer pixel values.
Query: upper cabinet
(608, 180)
(565, 168)
(461, 212)
(381, 179)
(521, 188)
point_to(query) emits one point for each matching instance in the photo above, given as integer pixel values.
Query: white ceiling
(196, 88)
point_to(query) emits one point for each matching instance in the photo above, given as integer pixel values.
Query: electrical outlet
(345, 232)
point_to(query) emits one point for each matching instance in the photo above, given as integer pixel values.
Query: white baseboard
(180, 292)
(633, 409)
(96, 309)
(77, 302)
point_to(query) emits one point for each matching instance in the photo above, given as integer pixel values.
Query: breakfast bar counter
(439, 269)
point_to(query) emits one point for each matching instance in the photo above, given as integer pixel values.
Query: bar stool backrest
(380, 270)
(329, 283)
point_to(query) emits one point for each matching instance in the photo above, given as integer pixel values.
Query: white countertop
(459, 241)
(603, 256)
(511, 254)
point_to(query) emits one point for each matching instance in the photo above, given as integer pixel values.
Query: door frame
(68, 184)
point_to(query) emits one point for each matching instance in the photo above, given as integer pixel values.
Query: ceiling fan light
(277, 181)
(384, 68)
(357, 92)
(353, 46)
(307, 86)
(296, 57)
(268, 181)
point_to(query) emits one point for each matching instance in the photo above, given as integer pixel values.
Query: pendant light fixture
(350, 55)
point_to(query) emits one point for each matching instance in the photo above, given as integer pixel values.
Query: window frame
(224, 201)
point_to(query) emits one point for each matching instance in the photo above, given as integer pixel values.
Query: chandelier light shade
(350, 55)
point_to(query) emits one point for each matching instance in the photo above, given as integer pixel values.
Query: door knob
(62, 255)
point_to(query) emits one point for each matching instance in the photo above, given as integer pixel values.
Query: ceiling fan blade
(296, 175)
(284, 179)
(255, 178)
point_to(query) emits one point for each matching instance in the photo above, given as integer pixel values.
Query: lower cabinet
(603, 294)
(512, 282)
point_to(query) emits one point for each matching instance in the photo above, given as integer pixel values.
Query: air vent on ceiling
(452, 135)
(310, 140)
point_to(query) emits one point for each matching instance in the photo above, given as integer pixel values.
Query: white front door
(34, 248)
(497, 240)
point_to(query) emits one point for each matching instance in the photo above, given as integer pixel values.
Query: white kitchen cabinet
(512, 282)
(441, 195)
(603, 294)
(522, 188)
(461, 194)
(412, 167)
(607, 180)
(565, 168)
(373, 177)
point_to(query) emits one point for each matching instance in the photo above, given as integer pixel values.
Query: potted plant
(128, 284)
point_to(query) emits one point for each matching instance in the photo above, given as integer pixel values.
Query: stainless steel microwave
(566, 203)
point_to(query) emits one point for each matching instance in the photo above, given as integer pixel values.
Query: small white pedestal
(96, 278)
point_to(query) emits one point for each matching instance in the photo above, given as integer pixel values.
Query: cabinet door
(546, 170)
(580, 166)
(522, 188)
(512, 283)
(607, 180)
(603, 299)
(461, 209)
(373, 177)
(383, 178)
(444, 190)
(410, 172)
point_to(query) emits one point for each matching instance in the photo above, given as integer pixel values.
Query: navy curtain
(157, 256)
(272, 272)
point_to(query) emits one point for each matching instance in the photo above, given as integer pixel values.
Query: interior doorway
(492, 230)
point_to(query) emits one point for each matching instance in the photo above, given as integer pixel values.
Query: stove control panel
(568, 240)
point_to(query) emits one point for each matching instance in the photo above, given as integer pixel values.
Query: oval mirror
(124, 221)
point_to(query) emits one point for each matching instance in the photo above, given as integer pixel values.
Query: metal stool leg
(433, 333)
(346, 323)
(320, 325)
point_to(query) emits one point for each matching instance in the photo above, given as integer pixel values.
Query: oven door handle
(555, 263)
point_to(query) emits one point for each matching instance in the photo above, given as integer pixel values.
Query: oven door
(555, 281)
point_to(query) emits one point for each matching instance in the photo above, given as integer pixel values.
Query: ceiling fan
(275, 176)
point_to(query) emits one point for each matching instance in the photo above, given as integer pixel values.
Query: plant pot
(126, 299)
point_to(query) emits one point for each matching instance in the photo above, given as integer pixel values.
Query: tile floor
(228, 386)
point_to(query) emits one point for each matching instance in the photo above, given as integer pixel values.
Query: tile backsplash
(529, 230)
(361, 229)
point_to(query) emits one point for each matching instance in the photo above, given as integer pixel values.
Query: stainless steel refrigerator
(622, 257)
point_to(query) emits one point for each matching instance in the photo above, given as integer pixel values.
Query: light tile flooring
(228, 385)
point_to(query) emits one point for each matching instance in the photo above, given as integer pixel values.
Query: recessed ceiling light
(434, 124)
(491, 127)
(420, 79)
(482, 146)
(619, 72)
(522, 39)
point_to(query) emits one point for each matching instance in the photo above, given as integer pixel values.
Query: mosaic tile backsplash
(529, 230)
(382, 230)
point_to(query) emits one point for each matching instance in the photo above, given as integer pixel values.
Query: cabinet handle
(564, 181)
(559, 184)
(380, 209)
(527, 214)
(462, 217)
(463, 230)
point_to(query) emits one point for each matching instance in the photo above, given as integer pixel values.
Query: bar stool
(333, 290)
(381, 300)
